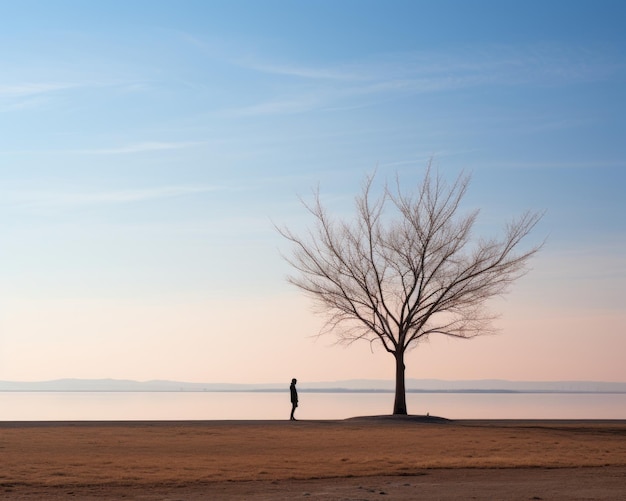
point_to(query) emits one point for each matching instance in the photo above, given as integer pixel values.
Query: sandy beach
(355, 459)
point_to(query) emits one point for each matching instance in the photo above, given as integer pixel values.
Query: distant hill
(351, 385)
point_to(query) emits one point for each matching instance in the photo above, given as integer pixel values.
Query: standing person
(294, 398)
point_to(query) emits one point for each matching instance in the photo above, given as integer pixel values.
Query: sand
(358, 459)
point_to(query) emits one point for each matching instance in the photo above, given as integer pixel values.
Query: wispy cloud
(127, 149)
(27, 96)
(141, 147)
(499, 64)
(33, 89)
(316, 73)
(304, 88)
(69, 199)
(547, 164)
(297, 104)
(36, 94)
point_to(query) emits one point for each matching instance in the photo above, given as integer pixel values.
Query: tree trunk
(399, 404)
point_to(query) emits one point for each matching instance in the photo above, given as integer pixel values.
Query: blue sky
(147, 149)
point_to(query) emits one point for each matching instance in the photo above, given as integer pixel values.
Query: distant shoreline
(364, 386)
(323, 390)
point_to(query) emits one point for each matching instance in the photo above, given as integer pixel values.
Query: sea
(207, 405)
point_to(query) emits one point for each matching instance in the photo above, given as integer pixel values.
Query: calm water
(42, 406)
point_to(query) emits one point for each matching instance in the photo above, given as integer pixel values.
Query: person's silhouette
(294, 398)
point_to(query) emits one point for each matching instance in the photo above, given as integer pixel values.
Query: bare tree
(405, 267)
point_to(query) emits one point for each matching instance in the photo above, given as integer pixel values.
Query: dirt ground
(359, 459)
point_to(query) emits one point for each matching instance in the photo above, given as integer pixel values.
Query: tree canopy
(406, 266)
